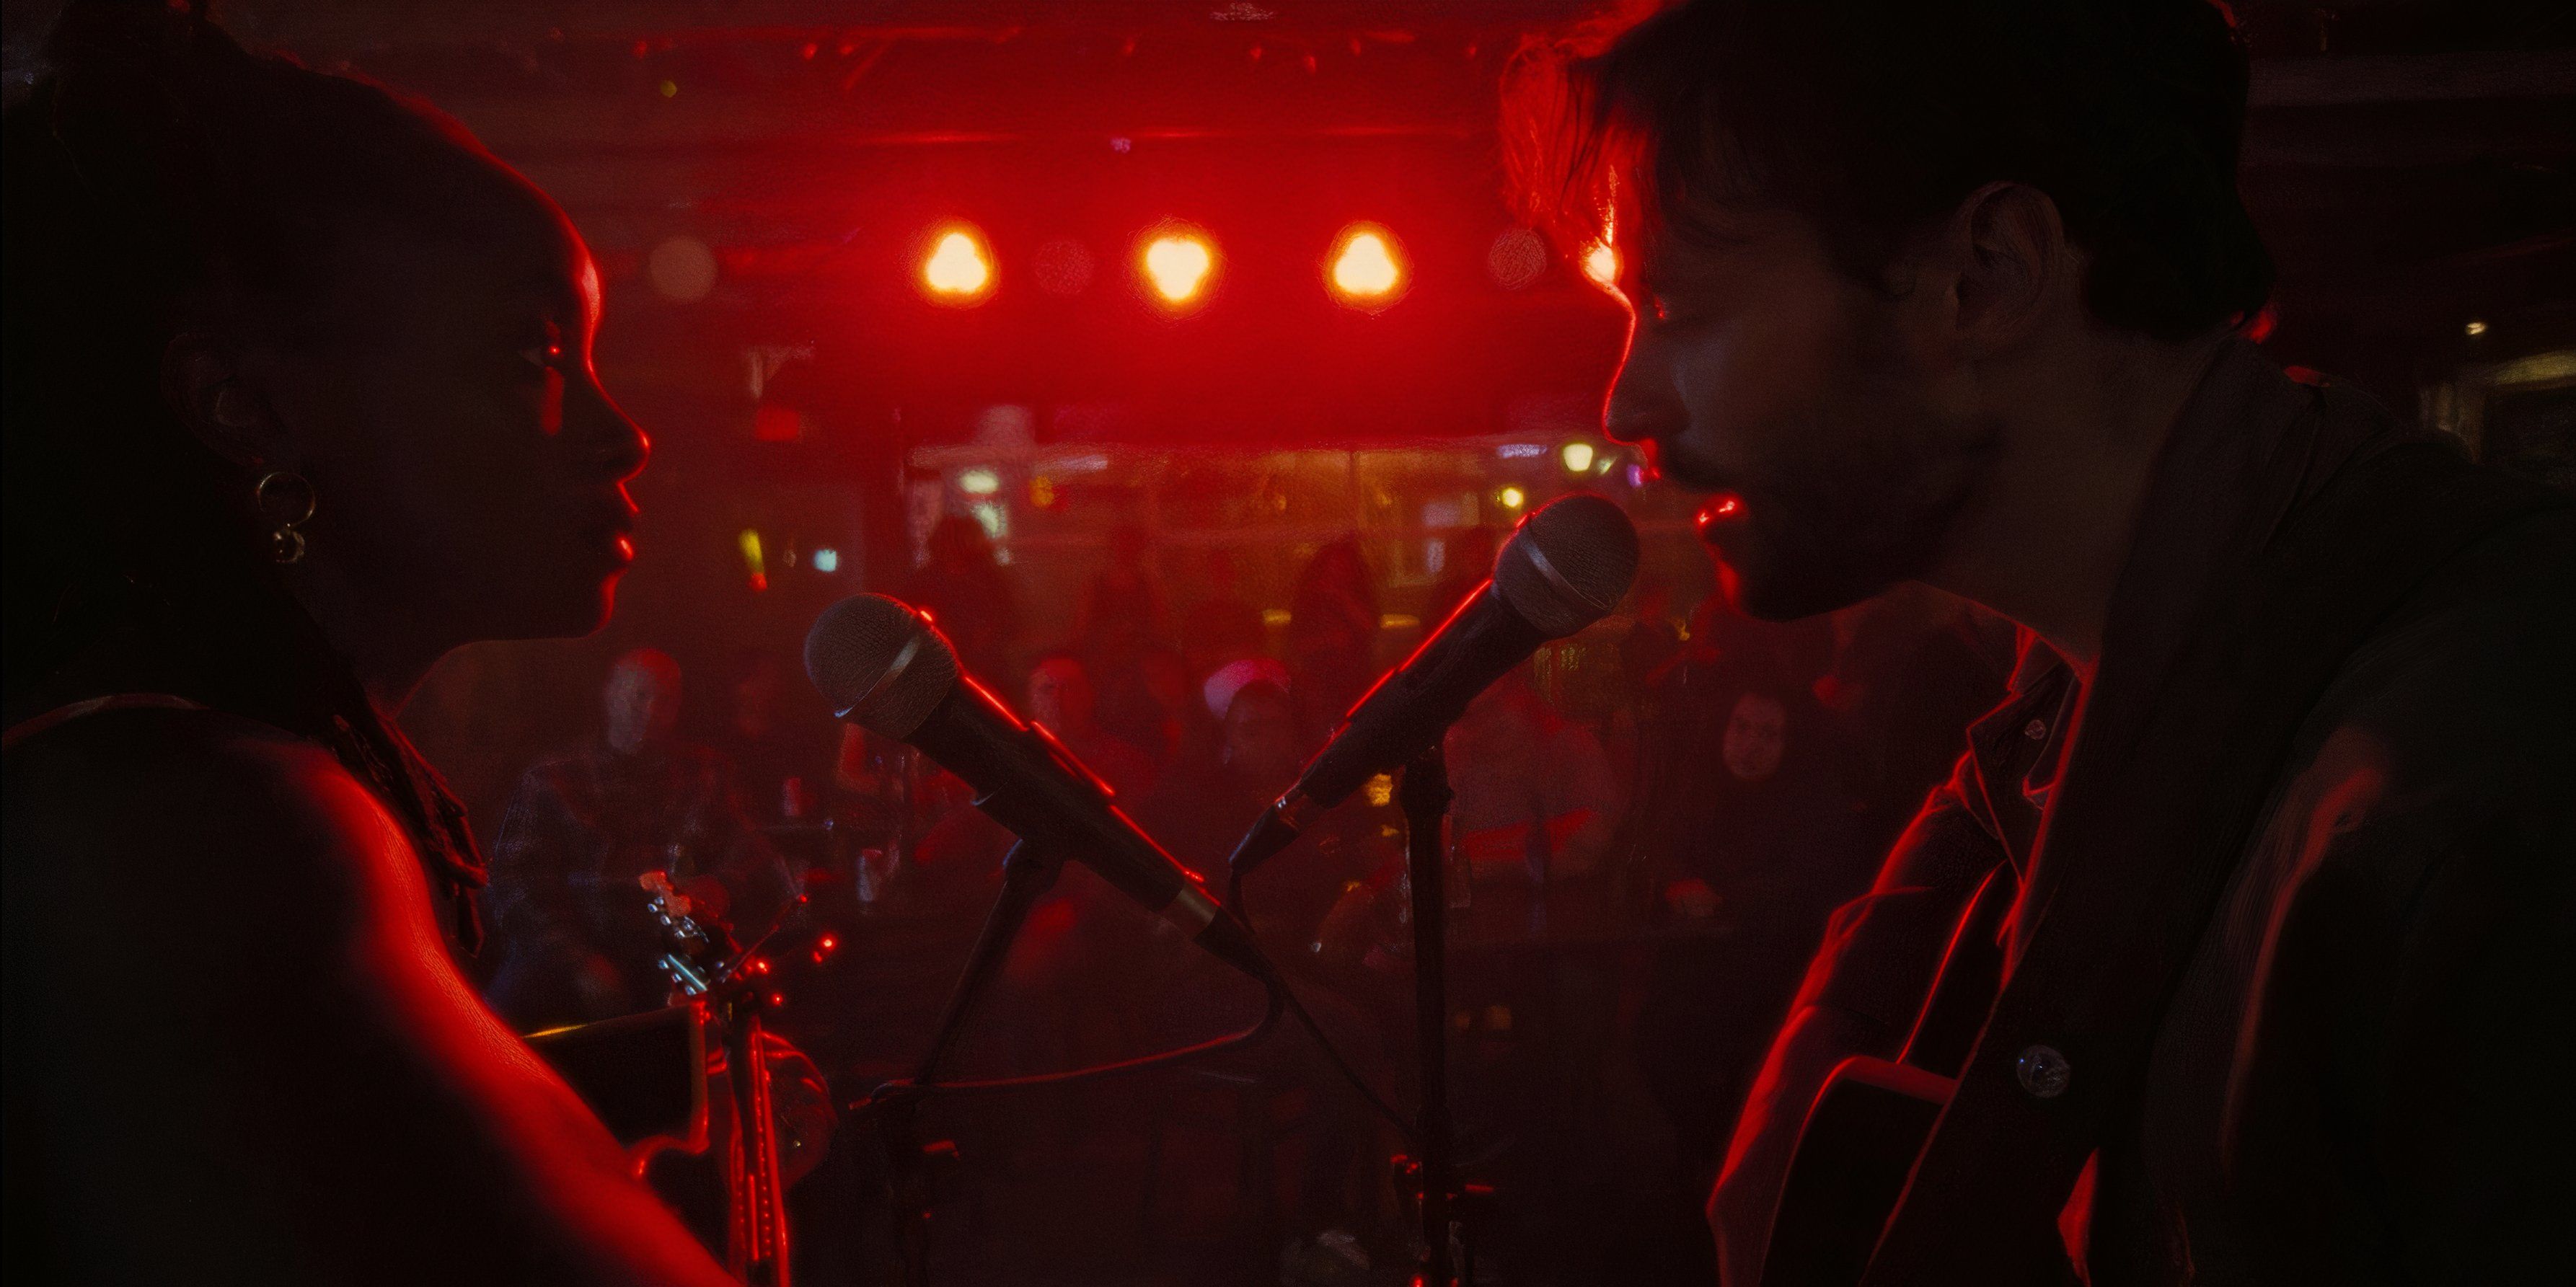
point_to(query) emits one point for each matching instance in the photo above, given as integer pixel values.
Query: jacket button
(2043, 1072)
(2035, 730)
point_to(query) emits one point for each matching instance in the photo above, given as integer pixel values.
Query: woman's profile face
(469, 469)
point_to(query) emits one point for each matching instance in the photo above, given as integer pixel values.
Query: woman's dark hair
(1872, 117)
(159, 176)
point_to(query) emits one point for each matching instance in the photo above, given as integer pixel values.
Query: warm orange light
(958, 268)
(1367, 268)
(1601, 264)
(1177, 266)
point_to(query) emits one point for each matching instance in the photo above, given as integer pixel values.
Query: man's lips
(1723, 510)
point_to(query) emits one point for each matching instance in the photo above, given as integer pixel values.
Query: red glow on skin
(1720, 509)
(1601, 264)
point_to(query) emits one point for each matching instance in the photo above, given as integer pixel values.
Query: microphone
(885, 668)
(1565, 567)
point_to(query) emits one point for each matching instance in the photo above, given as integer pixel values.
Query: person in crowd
(1221, 624)
(781, 764)
(1536, 808)
(1750, 851)
(577, 940)
(1198, 813)
(1720, 635)
(1061, 697)
(957, 867)
(964, 588)
(1204, 807)
(1466, 564)
(299, 399)
(1119, 639)
(1332, 637)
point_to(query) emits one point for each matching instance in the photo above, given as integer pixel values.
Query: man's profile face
(1814, 408)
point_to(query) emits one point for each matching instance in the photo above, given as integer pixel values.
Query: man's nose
(1642, 405)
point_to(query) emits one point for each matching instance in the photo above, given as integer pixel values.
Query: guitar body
(1854, 1154)
(1859, 1143)
(645, 1075)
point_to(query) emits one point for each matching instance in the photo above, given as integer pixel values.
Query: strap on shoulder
(65, 714)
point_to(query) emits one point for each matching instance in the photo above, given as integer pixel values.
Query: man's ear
(202, 379)
(2016, 268)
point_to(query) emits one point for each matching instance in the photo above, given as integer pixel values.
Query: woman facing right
(299, 397)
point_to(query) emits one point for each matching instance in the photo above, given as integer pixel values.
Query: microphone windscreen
(1568, 565)
(879, 663)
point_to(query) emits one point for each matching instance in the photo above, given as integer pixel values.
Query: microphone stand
(1027, 874)
(1424, 796)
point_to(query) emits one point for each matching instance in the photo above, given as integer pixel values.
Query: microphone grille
(1569, 564)
(879, 663)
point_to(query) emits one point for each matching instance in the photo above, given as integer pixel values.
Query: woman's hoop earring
(286, 502)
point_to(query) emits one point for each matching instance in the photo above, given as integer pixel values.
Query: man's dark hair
(1874, 117)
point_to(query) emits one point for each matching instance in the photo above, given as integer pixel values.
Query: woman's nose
(612, 442)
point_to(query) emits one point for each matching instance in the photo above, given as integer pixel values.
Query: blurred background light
(1516, 258)
(959, 268)
(753, 564)
(1177, 266)
(1367, 269)
(681, 269)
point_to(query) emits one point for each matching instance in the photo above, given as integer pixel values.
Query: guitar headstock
(698, 947)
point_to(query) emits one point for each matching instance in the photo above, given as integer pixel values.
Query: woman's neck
(388, 643)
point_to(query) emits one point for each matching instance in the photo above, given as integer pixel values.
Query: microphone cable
(1281, 997)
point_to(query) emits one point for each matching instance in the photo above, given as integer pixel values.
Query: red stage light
(1367, 269)
(1177, 266)
(959, 268)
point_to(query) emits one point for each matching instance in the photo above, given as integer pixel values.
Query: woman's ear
(202, 380)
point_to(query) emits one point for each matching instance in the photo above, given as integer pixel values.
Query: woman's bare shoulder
(150, 804)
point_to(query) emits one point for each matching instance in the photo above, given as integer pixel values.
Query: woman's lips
(614, 541)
